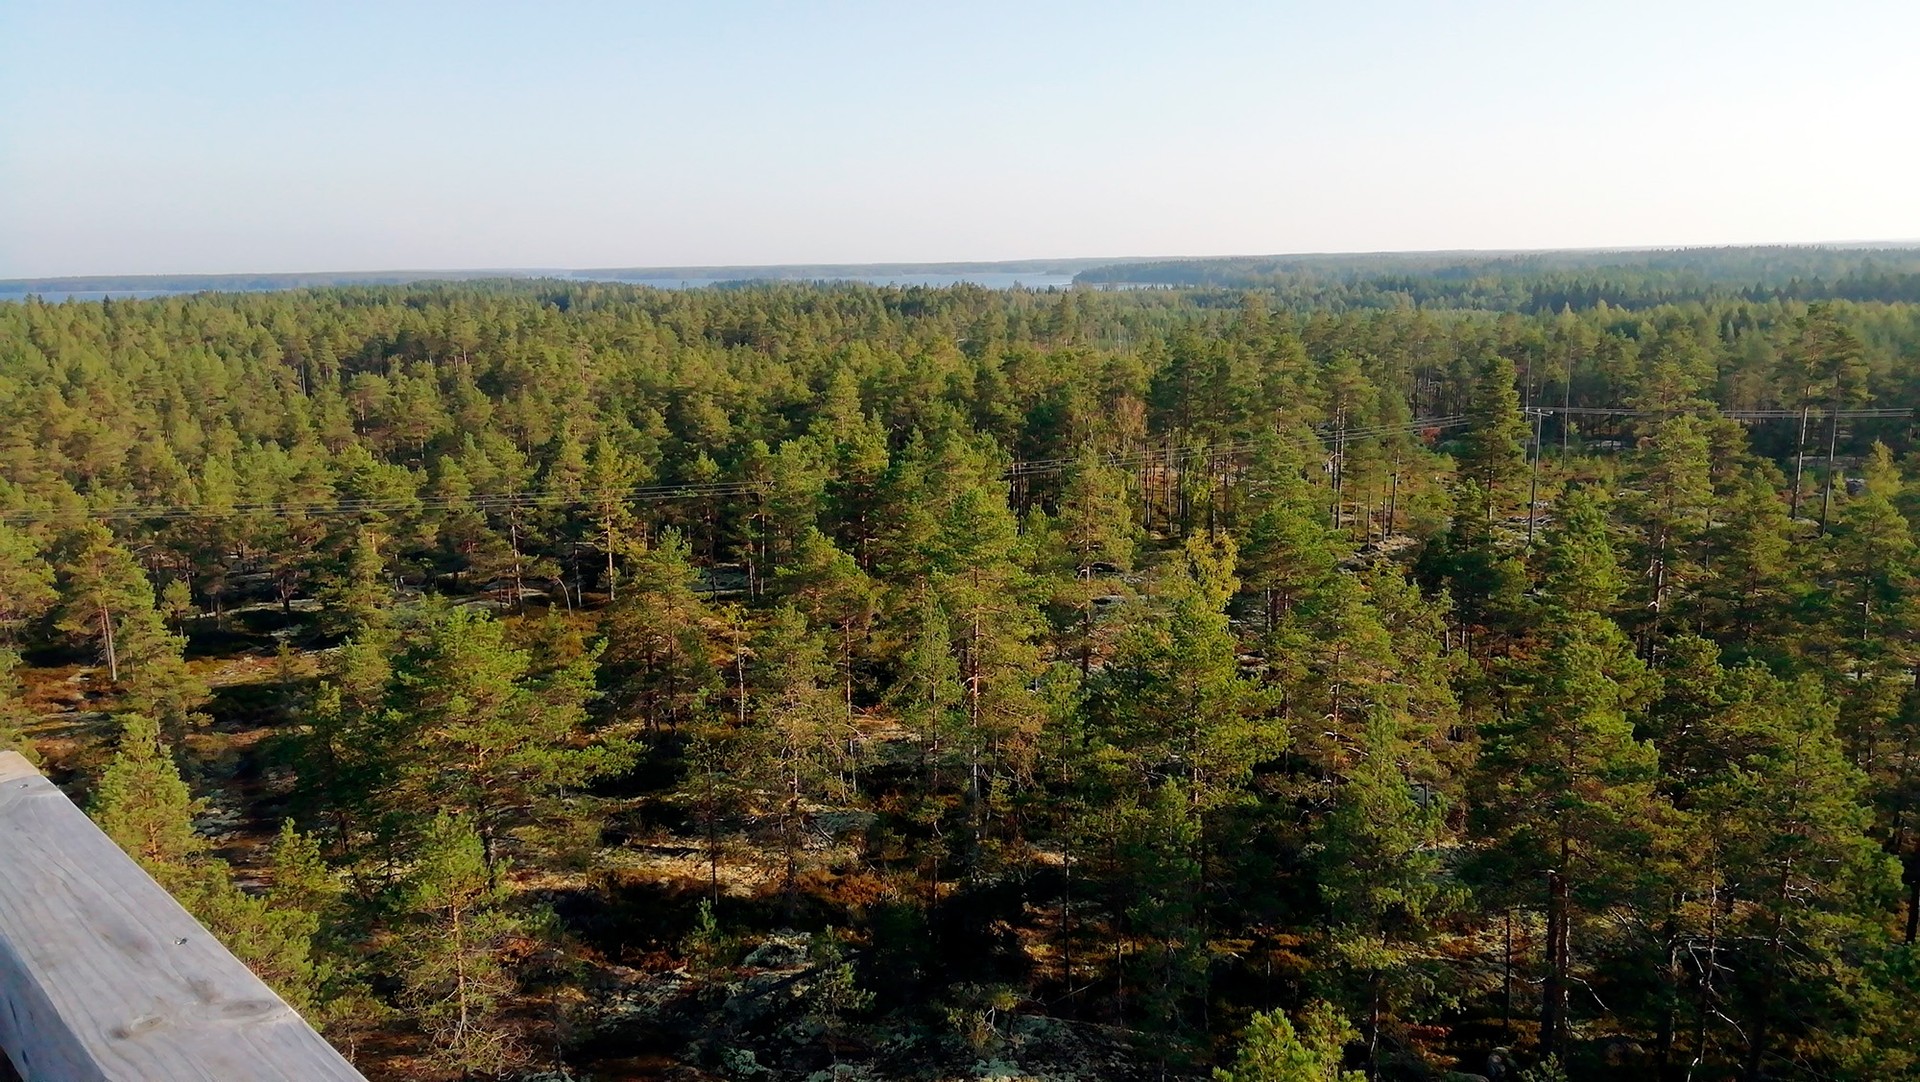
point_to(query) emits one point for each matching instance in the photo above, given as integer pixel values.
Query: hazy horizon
(211, 138)
(1098, 260)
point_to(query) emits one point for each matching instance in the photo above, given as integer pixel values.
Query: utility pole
(1833, 442)
(1533, 484)
(1799, 461)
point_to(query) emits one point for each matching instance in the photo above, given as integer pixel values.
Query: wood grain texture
(105, 978)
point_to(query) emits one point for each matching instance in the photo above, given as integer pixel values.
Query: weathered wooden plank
(105, 978)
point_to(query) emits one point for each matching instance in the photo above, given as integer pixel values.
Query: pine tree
(1482, 572)
(142, 803)
(1676, 373)
(102, 588)
(1868, 617)
(1756, 577)
(926, 692)
(1579, 571)
(1174, 716)
(176, 605)
(834, 992)
(451, 953)
(1494, 456)
(14, 714)
(1158, 842)
(155, 674)
(1792, 843)
(830, 588)
(347, 753)
(1568, 793)
(354, 594)
(1095, 524)
(656, 664)
(26, 584)
(1335, 662)
(1286, 550)
(144, 806)
(794, 749)
(1176, 703)
(1381, 877)
(482, 734)
(1272, 1049)
(1672, 506)
(994, 624)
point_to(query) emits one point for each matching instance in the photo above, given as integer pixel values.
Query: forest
(558, 680)
(1545, 282)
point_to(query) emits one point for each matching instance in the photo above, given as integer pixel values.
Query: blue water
(993, 280)
(988, 280)
(55, 296)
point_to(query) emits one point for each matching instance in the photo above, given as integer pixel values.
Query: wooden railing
(105, 978)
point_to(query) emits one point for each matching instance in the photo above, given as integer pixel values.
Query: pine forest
(1263, 673)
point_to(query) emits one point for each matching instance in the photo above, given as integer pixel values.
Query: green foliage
(1547, 1070)
(354, 594)
(1381, 875)
(102, 590)
(834, 992)
(708, 946)
(1579, 572)
(1273, 1049)
(14, 715)
(26, 583)
(1494, 456)
(142, 804)
(1059, 642)
(487, 735)
(656, 665)
(452, 959)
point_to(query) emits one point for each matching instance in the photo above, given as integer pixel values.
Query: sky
(201, 137)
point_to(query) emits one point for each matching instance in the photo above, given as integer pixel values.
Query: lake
(985, 279)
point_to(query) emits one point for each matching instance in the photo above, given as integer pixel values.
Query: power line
(1190, 452)
(531, 500)
(1737, 415)
(504, 502)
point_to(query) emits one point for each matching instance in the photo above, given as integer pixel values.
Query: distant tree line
(1547, 282)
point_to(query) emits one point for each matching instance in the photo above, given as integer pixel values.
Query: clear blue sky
(266, 136)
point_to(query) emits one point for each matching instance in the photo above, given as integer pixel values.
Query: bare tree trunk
(1553, 1006)
(106, 640)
